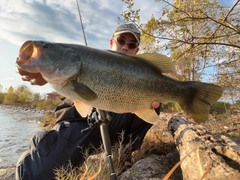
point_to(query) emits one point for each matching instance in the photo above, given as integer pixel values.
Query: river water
(16, 129)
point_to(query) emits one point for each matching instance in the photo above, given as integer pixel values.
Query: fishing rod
(101, 118)
(80, 17)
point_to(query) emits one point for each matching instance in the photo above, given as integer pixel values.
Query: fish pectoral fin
(83, 109)
(148, 115)
(84, 91)
(161, 61)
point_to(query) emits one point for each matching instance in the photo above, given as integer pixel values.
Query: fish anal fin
(163, 62)
(83, 109)
(148, 115)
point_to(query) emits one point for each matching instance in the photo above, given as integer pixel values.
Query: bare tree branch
(230, 10)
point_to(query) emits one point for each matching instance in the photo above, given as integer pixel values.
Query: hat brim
(122, 32)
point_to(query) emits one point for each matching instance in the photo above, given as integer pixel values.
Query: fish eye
(45, 45)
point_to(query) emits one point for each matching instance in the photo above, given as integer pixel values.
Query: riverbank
(25, 113)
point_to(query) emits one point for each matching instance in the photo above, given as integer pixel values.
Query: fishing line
(79, 13)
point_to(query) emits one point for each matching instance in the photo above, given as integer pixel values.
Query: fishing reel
(96, 118)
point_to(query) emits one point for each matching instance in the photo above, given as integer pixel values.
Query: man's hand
(33, 78)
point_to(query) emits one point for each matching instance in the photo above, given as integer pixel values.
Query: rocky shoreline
(29, 114)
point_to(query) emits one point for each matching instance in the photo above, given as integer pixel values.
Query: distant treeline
(23, 96)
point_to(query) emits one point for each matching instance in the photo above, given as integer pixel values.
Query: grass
(49, 121)
(227, 124)
(96, 166)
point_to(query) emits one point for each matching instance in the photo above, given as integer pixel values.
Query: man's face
(131, 47)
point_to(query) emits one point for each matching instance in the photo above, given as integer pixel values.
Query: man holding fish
(49, 150)
(122, 82)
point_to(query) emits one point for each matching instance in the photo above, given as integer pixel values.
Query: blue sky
(58, 21)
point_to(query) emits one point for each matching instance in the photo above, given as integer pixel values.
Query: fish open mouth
(29, 52)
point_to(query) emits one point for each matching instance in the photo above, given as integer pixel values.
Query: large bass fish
(115, 82)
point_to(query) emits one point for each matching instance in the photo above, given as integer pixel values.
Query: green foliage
(1, 94)
(201, 35)
(237, 103)
(219, 108)
(216, 108)
(47, 104)
(23, 96)
(130, 14)
(49, 121)
(172, 107)
(10, 97)
(1, 97)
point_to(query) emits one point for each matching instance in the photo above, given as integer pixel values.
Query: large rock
(208, 155)
(153, 167)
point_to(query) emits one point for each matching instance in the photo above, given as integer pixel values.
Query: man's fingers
(155, 104)
(21, 72)
(32, 78)
(33, 82)
(26, 78)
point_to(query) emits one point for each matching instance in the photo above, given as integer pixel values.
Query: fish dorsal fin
(161, 61)
(148, 115)
(83, 109)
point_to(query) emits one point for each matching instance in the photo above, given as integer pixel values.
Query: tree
(201, 36)
(24, 95)
(1, 88)
(10, 96)
(1, 94)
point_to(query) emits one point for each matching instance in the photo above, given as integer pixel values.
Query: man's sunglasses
(120, 40)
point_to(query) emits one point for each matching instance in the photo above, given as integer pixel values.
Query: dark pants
(49, 150)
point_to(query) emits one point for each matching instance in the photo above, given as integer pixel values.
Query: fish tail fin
(200, 97)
